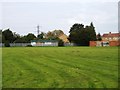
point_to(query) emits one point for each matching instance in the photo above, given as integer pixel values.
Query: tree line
(78, 34)
(11, 37)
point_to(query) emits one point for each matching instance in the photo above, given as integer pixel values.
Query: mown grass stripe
(65, 66)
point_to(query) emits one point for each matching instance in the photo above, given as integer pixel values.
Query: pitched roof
(111, 35)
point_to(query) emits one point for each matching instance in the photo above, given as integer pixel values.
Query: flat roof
(44, 40)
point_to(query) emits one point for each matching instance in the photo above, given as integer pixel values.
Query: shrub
(7, 44)
(60, 43)
(29, 46)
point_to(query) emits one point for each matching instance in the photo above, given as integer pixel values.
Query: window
(110, 38)
(106, 38)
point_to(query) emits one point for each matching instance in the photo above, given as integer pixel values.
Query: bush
(60, 43)
(7, 44)
(29, 46)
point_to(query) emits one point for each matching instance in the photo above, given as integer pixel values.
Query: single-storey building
(44, 42)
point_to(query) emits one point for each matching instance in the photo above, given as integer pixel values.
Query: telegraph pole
(38, 31)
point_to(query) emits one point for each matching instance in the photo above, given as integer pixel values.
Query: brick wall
(111, 43)
(92, 43)
(114, 43)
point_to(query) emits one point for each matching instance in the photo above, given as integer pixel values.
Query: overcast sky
(23, 16)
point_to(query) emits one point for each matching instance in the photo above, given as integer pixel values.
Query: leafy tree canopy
(82, 35)
(8, 35)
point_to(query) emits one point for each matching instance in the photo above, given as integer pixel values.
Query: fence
(16, 44)
(46, 44)
(1, 45)
(69, 44)
(38, 44)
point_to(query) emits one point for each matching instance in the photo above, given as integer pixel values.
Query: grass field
(60, 67)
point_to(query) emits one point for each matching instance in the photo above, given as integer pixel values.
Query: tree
(7, 43)
(41, 36)
(3, 38)
(92, 32)
(8, 35)
(54, 34)
(80, 35)
(50, 35)
(16, 36)
(60, 42)
(24, 39)
(99, 37)
(57, 33)
(76, 27)
(0, 36)
(30, 37)
(76, 35)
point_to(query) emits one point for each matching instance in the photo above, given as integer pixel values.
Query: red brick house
(111, 37)
(108, 39)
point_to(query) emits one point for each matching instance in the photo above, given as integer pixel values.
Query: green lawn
(60, 67)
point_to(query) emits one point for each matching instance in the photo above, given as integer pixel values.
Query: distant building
(108, 39)
(44, 42)
(111, 37)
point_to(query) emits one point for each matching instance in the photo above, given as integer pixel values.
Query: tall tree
(82, 36)
(99, 37)
(16, 36)
(76, 33)
(8, 35)
(92, 32)
(3, 38)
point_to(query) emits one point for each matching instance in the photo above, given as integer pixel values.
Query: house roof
(44, 41)
(111, 35)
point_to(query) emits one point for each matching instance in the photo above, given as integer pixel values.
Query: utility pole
(38, 27)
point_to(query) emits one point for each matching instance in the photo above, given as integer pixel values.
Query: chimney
(109, 32)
